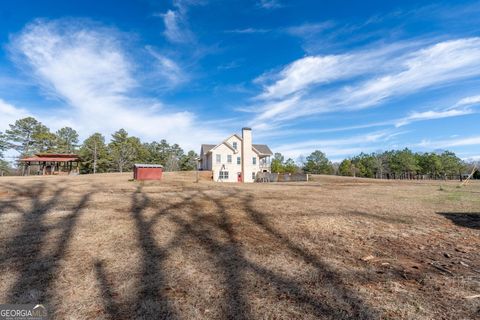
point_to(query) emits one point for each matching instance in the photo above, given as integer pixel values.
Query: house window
(238, 160)
(234, 145)
(229, 158)
(223, 175)
(254, 160)
(219, 158)
(253, 176)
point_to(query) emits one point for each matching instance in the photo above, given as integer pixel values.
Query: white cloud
(89, 69)
(458, 142)
(436, 65)
(168, 70)
(461, 108)
(175, 27)
(308, 71)
(176, 21)
(270, 4)
(276, 108)
(248, 31)
(308, 30)
(372, 77)
(9, 113)
(430, 115)
(471, 158)
(468, 101)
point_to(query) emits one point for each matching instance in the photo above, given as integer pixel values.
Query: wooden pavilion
(52, 164)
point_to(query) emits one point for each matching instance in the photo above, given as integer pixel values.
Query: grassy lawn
(103, 247)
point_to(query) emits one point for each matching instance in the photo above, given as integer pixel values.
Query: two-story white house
(235, 159)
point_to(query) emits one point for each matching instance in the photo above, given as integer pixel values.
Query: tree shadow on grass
(217, 234)
(218, 238)
(25, 251)
(111, 307)
(332, 281)
(233, 265)
(463, 219)
(151, 301)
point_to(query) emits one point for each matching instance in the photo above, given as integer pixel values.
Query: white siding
(232, 168)
(209, 161)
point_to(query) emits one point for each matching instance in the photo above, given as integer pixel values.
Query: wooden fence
(280, 177)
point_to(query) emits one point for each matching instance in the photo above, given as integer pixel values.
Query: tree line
(404, 164)
(29, 136)
(394, 164)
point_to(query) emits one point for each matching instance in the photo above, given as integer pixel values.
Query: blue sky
(343, 76)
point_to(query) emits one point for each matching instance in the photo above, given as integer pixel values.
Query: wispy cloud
(269, 4)
(248, 31)
(431, 115)
(447, 143)
(169, 71)
(306, 72)
(307, 30)
(463, 107)
(9, 113)
(468, 101)
(435, 65)
(88, 69)
(470, 158)
(175, 27)
(365, 79)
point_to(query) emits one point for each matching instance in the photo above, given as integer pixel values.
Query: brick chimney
(247, 155)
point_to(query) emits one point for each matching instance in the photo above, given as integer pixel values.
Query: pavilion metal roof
(52, 157)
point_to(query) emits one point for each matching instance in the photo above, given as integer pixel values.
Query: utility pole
(196, 171)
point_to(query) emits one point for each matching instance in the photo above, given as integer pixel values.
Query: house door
(239, 177)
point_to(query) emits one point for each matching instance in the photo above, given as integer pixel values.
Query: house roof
(263, 149)
(207, 147)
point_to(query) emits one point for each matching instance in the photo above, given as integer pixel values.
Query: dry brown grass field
(104, 247)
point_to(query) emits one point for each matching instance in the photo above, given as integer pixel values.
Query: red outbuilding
(147, 171)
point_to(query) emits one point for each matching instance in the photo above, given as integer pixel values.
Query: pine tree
(94, 155)
(67, 140)
(21, 135)
(124, 150)
(317, 163)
